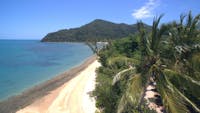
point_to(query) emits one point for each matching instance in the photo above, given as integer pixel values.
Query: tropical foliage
(167, 59)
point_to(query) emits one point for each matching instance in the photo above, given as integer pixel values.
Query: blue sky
(33, 19)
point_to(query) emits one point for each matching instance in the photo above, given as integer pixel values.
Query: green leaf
(171, 100)
(133, 93)
(182, 99)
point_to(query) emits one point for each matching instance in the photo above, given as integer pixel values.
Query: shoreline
(14, 103)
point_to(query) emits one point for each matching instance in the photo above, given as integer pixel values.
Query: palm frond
(195, 21)
(92, 46)
(177, 91)
(145, 44)
(171, 100)
(195, 61)
(186, 85)
(123, 102)
(119, 75)
(182, 17)
(174, 75)
(189, 19)
(132, 94)
(127, 61)
(161, 31)
(154, 35)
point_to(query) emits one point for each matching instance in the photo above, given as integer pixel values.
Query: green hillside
(96, 30)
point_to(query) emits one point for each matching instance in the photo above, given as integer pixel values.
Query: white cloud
(145, 11)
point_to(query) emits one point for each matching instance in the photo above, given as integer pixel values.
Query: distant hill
(96, 30)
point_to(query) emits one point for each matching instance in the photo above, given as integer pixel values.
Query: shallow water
(24, 64)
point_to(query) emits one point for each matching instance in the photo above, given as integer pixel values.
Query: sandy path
(72, 97)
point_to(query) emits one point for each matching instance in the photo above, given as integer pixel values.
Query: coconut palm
(186, 53)
(139, 81)
(93, 46)
(176, 97)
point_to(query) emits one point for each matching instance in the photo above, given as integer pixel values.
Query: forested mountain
(96, 30)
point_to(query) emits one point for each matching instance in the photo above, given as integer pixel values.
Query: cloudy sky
(33, 19)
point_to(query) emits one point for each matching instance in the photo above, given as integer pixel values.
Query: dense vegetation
(167, 58)
(97, 30)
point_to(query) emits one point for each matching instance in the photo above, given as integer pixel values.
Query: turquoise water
(24, 64)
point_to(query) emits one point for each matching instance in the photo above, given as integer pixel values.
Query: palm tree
(176, 97)
(139, 81)
(185, 52)
(93, 46)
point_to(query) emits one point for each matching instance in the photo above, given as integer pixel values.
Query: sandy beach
(66, 93)
(72, 97)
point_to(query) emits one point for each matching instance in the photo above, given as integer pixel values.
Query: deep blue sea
(24, 64)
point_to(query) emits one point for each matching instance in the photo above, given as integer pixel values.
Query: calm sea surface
(24, 64)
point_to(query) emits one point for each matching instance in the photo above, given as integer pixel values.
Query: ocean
(26, 63)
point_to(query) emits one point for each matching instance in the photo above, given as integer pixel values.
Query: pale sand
(150, 94)
(150, 87)
(72, 97)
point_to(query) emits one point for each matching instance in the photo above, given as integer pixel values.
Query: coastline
(27, 97)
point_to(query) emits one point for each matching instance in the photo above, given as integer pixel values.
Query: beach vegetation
(163, 62)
